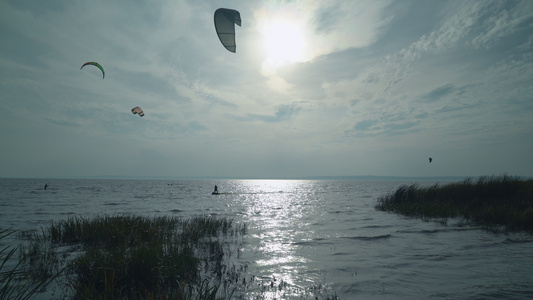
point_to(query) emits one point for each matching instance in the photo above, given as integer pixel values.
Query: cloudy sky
(315, 88)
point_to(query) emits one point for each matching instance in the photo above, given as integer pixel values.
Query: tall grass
(490, 201)
(15, 282)
(135, 257)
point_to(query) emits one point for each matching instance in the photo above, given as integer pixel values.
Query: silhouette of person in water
(216, 189)
(430, 160)
(46, 186)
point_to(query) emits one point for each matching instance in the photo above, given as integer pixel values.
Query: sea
(308, 234)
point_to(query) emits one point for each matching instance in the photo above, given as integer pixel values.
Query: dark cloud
(438, 93)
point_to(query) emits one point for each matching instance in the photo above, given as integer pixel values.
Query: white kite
(137, 110)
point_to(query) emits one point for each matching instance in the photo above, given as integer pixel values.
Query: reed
(490, 201)
(129, 256)
(136, 257)
(15, 282)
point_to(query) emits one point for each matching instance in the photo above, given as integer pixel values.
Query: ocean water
(305, 233)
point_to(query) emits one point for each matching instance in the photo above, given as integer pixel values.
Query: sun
(284, 42)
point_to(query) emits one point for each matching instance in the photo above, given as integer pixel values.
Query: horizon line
(325, 177)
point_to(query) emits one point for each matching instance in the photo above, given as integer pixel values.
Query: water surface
(305, 233)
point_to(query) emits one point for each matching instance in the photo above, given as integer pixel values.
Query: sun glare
(283, 42)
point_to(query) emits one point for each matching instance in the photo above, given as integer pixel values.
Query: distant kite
(96, 65)
(224, 24)
(430, 160)
(137, 110)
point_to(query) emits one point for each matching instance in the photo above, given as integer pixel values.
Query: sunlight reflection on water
(304, 235)
(278, 211)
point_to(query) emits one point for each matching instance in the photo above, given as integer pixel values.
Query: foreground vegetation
(492, 202)
(14, 282)
(135, 257)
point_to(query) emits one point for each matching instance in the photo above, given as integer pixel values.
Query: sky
(315, 88)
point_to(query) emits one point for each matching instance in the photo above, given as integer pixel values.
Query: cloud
(323, 27)
(387, 125)
(438, 93)
(473, 23)
(277, 83)
(502, 19)
(364, 125)
(343, 25)
(400, 77)
(283, 113)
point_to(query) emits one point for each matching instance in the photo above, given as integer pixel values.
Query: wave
(341, 254)
(368, 238)
(438, 230)
(373, 226)
(116, 203)
(314, 241)
(519, 240)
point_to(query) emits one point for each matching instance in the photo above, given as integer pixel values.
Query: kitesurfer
(46, 186)
(216, 189)
(430, 160)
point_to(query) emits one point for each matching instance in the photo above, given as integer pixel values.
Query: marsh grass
(490, 201)
(15, 282)
(135, 257)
